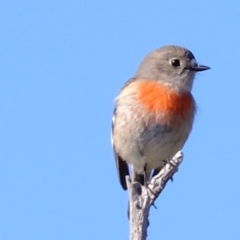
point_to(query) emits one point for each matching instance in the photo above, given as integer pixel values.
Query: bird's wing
(122, 167)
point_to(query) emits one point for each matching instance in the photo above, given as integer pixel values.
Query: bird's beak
(199, 68)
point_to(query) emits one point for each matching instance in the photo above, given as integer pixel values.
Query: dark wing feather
(122, 167)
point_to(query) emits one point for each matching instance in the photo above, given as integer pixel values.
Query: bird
(154, 113)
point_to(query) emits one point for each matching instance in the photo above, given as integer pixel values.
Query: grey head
(173, 66)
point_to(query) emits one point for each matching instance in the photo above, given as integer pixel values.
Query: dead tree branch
(141, 198)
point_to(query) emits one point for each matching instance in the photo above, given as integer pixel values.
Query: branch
(142, 198)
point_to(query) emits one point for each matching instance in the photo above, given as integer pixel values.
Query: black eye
(175, 62)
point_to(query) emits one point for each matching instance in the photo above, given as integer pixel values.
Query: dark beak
(198, 68)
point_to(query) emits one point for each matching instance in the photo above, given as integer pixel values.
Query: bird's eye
(175, 62)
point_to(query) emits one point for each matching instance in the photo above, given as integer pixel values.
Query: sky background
(62, 65)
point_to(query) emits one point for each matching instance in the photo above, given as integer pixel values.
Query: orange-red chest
(160, 99)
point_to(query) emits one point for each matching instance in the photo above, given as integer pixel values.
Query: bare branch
(142, 198)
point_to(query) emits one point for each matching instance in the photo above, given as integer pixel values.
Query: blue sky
(62, 64)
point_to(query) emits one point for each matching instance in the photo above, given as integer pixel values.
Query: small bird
(154, 113)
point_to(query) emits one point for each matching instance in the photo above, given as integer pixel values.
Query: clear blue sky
(62, 64)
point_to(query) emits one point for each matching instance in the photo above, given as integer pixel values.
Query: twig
(141, 198)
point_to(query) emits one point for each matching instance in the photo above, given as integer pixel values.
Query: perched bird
(154, 113)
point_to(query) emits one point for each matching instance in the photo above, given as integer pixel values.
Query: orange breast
(157, 98)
